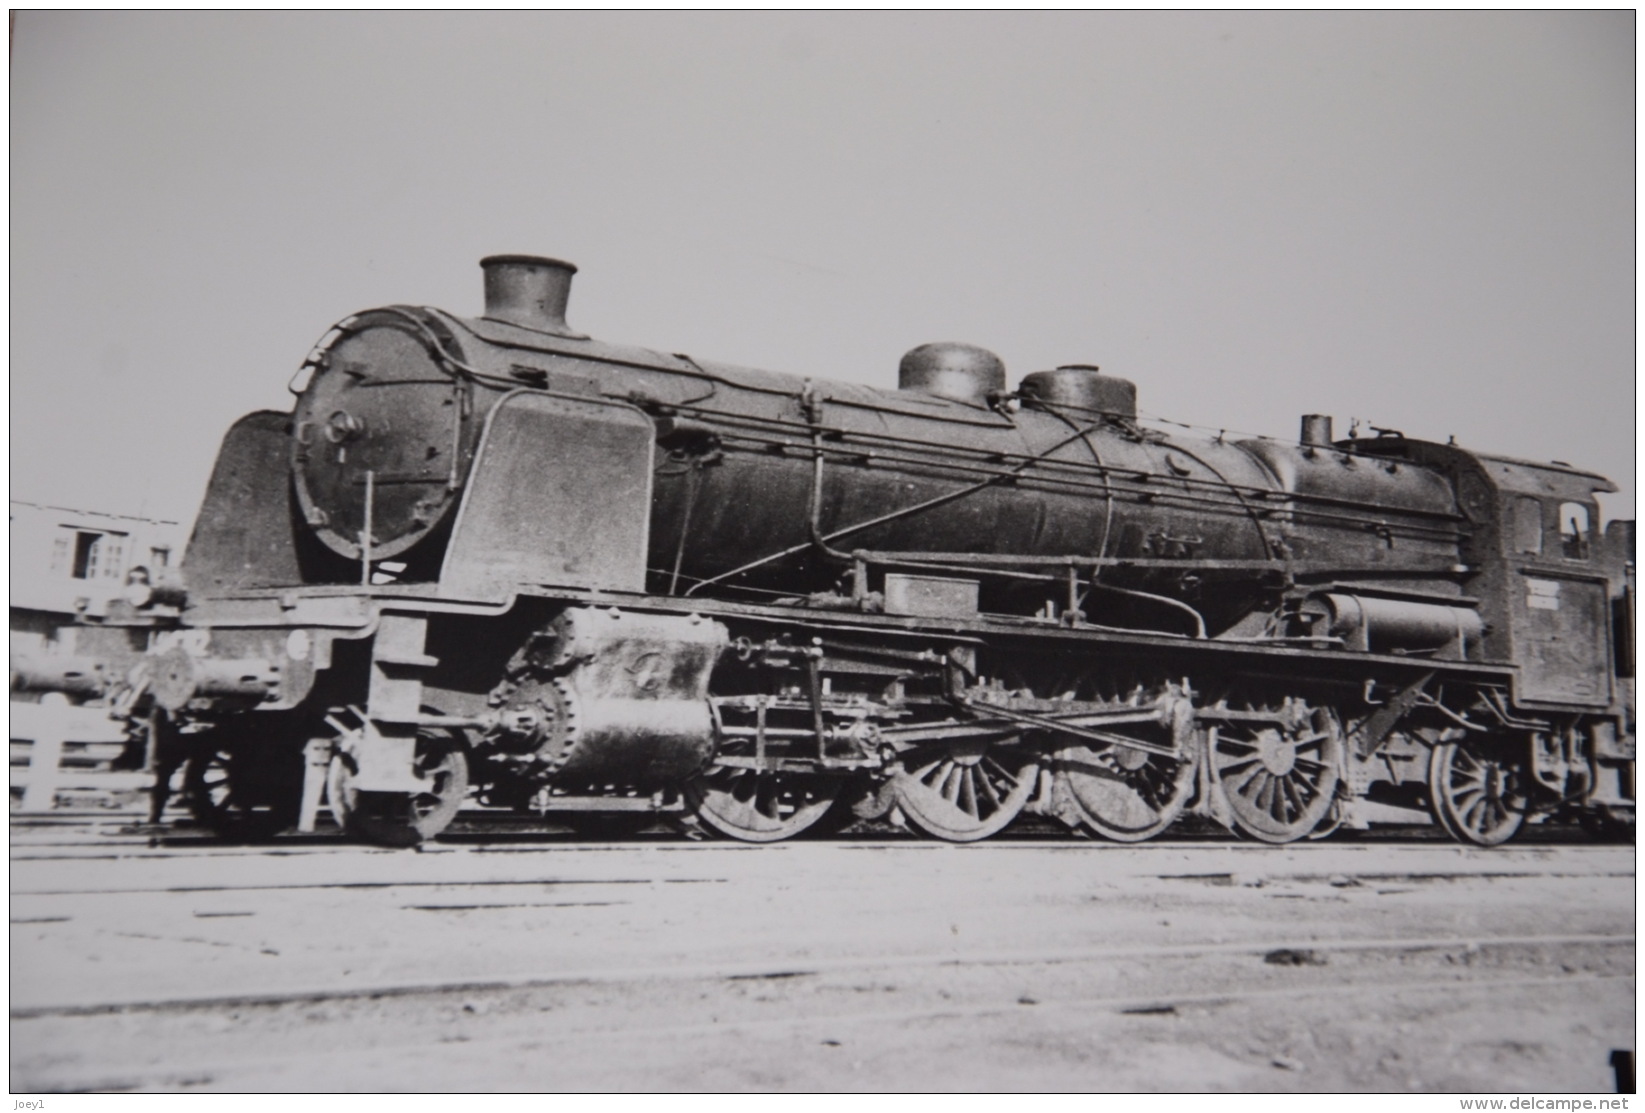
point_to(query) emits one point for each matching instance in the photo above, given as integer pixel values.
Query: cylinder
(963, 372)
(636, 694)
(656, 741)
(528, 290)
(1316, 430)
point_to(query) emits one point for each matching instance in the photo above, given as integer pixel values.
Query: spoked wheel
(1123, 794)
(242, 794)
(1477, 797)
(964, 791)
(762, 805)
(1278, 768)
(401, 818)
(1126, 794)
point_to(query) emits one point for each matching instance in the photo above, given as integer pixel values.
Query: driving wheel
(762, 805)
(1278, 767)
(964, 791)
(1124, 794)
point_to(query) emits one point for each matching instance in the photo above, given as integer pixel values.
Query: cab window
(1527, 525)
(1573, 531)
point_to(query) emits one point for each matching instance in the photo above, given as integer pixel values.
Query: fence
(63, 753)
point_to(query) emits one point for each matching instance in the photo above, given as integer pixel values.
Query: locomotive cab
(1545, 575)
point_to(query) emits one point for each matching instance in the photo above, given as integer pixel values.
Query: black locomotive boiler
(493, 557)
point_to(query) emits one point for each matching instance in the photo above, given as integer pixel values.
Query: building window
(1573, 530)
(95, 555)
(114, 556)
(159, 557)
(87, 552)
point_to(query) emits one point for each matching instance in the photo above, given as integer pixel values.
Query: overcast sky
(1422, 220)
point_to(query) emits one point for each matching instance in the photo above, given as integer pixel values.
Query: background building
(66, 562)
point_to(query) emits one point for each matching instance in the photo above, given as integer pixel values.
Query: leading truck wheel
(241, 792)
(1477, 797)
(400, 818)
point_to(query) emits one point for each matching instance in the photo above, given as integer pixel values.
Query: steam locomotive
(491, 557)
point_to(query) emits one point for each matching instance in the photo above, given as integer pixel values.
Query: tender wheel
(964, 791)
(399, 818)
(1278, 775)
(757, 805)
(1477, 797)
(1125, 795)
(243, 793)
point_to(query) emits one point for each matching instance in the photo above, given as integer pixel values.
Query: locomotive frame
(495, 556)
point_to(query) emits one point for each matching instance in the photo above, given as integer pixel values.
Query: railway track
(478, 824)
(867, 962)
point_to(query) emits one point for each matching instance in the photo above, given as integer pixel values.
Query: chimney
(1316, 430)
(529, 291)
